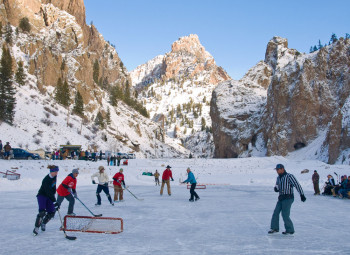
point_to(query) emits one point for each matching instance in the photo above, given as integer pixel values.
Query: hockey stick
(95, 215)
(140, 199)
(337, 176)
(64, 231)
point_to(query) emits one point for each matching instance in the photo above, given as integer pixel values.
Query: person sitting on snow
(329, 185)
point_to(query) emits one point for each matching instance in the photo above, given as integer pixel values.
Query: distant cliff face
(187, 59)
(305, 94)
(178, 86)
(61, 45)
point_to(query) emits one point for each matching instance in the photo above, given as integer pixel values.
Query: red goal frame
(198, 186)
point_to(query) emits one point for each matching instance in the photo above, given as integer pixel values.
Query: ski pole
(140, 199)
(64, 231)
(95, 215)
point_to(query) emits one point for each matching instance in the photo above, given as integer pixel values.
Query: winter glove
(75, 195)
(303, 198)
(70, 190)
(106, 184)
(93, 182)
(57, 206)
(275, 189)
(172, 179)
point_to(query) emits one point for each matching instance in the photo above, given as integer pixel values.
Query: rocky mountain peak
(277, 52)
(190, 44)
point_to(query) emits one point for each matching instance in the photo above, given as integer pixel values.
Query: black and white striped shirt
(285, 184)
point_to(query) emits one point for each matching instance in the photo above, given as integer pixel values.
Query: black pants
(105, 190)
(193, 193)
(71, 201)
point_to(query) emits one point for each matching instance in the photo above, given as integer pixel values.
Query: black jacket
(48, 187)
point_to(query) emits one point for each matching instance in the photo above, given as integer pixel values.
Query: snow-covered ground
(232, 216)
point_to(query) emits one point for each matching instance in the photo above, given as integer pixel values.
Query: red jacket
(70, 182)
(120, 177)
(167, 174)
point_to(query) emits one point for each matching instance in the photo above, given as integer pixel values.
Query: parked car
(17, 153)
(122, 155)
(131, 155)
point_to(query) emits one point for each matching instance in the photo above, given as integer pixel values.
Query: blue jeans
(284, 206)
(105, 190)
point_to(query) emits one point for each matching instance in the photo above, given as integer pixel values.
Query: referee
(284, 185)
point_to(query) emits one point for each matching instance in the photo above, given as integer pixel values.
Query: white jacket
(102, 177)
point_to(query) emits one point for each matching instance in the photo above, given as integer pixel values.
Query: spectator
(344, 192)
(329, 185)
(0, 147)
(7, 150)
(100, 155)
(315, 181)
(108, 160)
(156, 177)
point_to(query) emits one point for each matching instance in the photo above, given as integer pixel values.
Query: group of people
(48, 204)
(7, 150)
(340, 189)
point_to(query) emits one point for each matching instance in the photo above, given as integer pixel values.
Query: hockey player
(67, 189)
(46, 200)
(118, 182)
(156, 177)
(167, 174)
(102, 185)
(192, 180)
(284, 185)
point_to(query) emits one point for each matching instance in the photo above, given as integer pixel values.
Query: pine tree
(99, 120)
(203, 124)
(333, 39)
(96, 71)
(315, 48)
(320, 46)
(8, 37)
(20, 75)
(58, 93)
(311, 49)
(65, 94)
(127, 98)
(7, 91)
(78, 104)
(108, 117)
(25, 25)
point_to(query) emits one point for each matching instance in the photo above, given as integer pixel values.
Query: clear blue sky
(234, 32)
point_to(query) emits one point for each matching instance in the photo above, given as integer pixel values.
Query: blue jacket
(190, 178)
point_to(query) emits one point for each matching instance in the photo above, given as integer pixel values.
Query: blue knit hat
(55, 169)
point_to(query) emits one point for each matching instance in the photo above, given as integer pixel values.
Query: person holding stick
(102, 185)
(193, 182)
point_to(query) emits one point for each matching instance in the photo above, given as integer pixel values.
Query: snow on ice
(232, 216)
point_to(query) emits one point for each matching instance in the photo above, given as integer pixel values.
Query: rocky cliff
(187, 59)
(296, 98)
(178, 85)
(60, 45)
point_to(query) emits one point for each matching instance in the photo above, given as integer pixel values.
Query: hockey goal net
(88, 224)
(199, 186)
